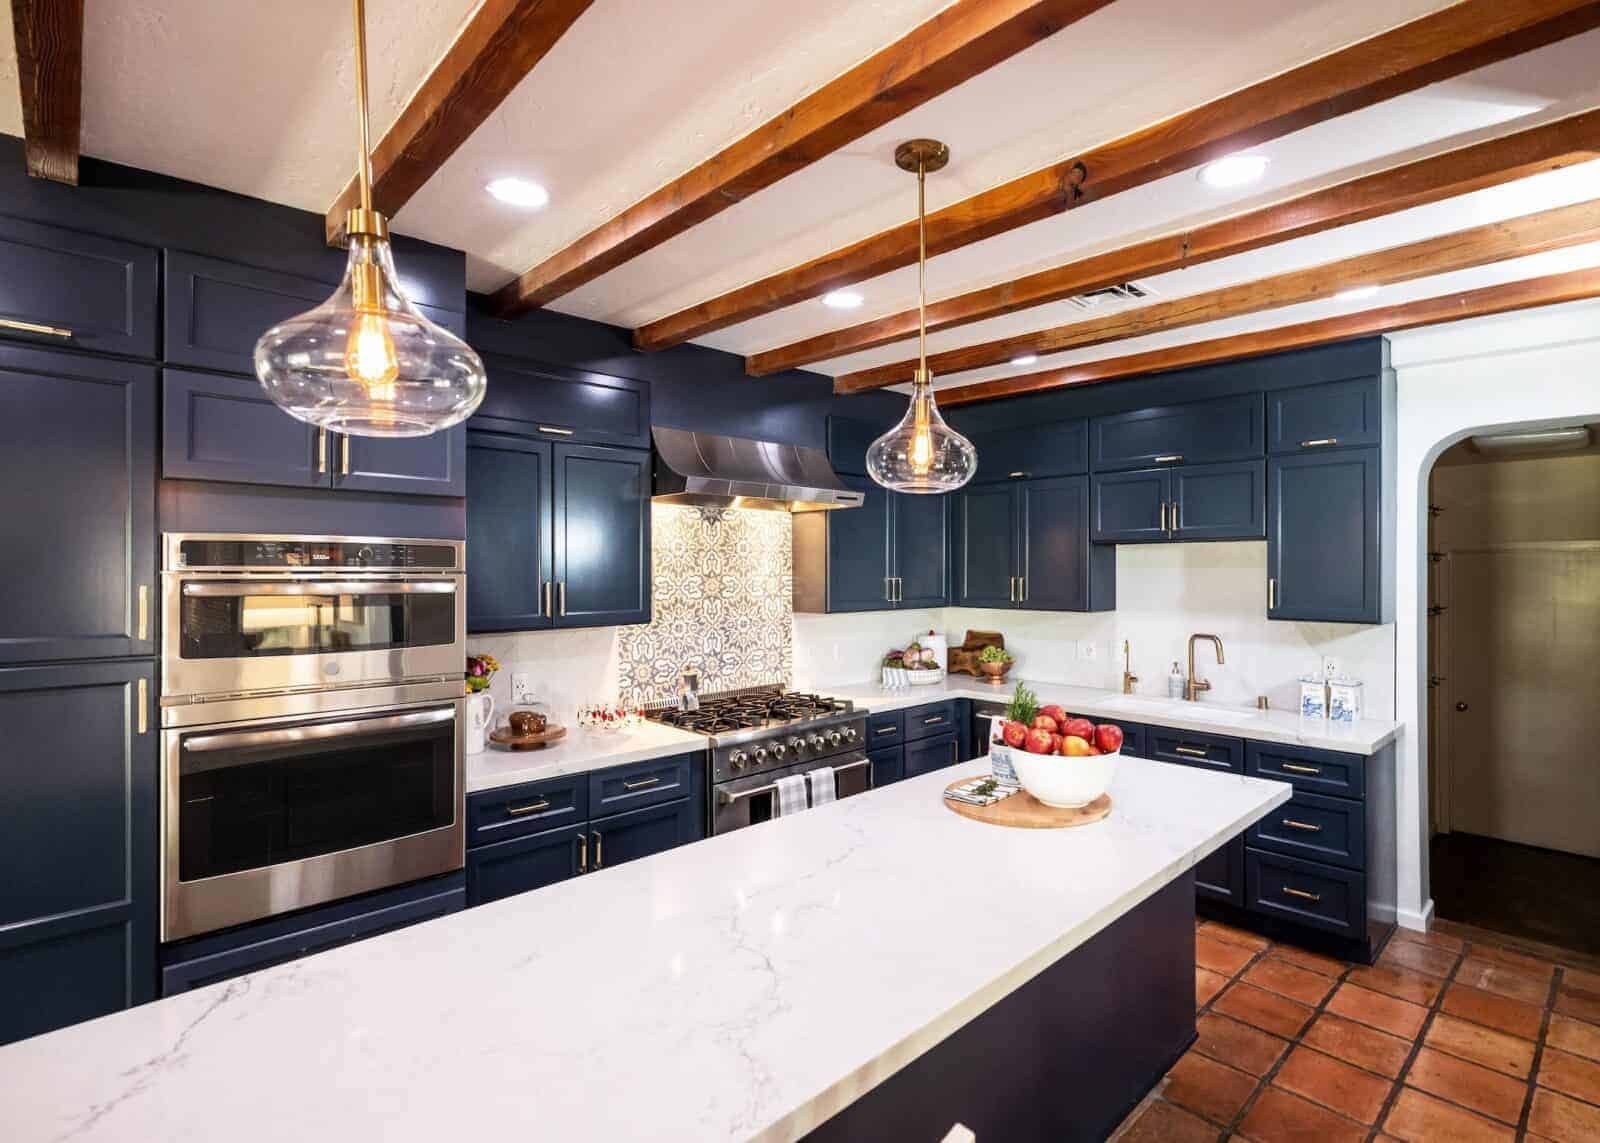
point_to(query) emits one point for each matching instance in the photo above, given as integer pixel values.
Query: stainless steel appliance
(758, 736)
(313, 719)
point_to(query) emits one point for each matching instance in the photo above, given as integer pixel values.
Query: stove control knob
(738, 759)
(849, 734)
(834, 738)
(816, 742)
(797, 744)
(761, 755)
(779, 750)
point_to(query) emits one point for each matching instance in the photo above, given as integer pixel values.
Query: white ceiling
(257, 98)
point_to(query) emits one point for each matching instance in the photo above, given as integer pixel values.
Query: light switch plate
(521, 688)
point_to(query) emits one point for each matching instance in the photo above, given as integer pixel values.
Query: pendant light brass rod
(922, 270)
(364, 166)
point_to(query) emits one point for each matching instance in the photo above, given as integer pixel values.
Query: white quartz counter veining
(748, 986)
(579, 751)
(1367, 736)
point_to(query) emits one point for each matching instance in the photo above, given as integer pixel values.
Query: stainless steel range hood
(731, 472)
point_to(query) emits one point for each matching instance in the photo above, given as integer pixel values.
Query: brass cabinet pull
(1294, 769)
(344, 455)
(583, 853)
(561, 593)
(531, 807)
(1303, 827)
(932, 719)
(1319, 442)
(1017, 475)
(888, 589)
(1302, 894)
(548, 612)
(1013, 590)
(886, 730)
(1172, 515)
(143, 717)
(1022, 589)
(322, 452)
(35, 327)
(1170, 458)
(599, 854)
(554, 430)
(1189, 750)
(1272, 593)
(641, 784)
(144, 612)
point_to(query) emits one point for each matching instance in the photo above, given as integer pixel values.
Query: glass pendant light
(367, 362)
(922, 453)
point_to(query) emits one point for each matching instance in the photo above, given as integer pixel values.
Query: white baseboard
(1419, 922)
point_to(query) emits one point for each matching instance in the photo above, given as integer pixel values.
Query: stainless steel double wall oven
(312, 715)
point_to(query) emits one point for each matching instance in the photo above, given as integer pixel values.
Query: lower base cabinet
(932, 754)
(1220, 877)
(507, 868)
(888, 765)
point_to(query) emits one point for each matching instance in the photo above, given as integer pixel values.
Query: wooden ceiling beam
(1459, 39)
(1550, 290)
(965, 39)
(500, 45)
(49, 35)
(1459, 250)
(1493, 162)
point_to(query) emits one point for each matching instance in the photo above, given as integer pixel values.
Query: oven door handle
(333, 587)
(242, 738)
(728, 799)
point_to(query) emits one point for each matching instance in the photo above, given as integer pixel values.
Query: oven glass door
(261, 797)
(750, 801)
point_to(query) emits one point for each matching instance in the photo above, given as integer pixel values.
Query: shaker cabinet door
(1130, 507)
(858, 550)
(80, 291)
(1323, 536)
(510, 535)
(921, 550)
(434, 465)
(1220, 501)
(1060, 569)
(986, 549)
(524, 863)
(602, 536)
(226, 428)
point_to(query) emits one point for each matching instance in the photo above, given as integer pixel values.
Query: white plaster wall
(1536, 369)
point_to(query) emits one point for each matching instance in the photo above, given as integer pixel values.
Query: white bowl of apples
(1064, 761)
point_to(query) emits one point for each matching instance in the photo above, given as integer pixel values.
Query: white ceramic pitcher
(480, 718)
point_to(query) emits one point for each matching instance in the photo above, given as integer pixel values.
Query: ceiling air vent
(1112, 295)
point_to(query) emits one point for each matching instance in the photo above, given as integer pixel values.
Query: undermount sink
(1177, 708)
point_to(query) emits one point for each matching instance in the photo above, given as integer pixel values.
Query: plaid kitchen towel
(822, 788)
(791, 796)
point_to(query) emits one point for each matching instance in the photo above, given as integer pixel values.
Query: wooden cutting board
(1024, 811)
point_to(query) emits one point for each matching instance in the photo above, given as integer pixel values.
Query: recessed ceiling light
(1025, 359)
(1355, 293)
(519, 192)
(1234, 171)
(842, 299)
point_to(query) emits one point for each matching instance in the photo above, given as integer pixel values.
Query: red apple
(1096, 750)
(1079, 728)
(1054, 712)
(1045, 722)
(1039, 741)
(1015, 734)
(1108, 737)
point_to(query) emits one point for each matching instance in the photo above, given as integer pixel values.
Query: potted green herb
(994, 662)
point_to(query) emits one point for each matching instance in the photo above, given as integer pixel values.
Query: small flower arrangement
(480, 669)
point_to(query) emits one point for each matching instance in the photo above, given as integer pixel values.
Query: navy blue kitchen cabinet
(1049, 448)
(1025, 544)
(888, 765)
(1324, 536)
(216, 310)
(1309, 894)
(848, 441)
(520, 864)
(78, 462)
(1131, 507)
(639, 833)
(216, 427)
(66, 288)
(78, 842)
(1198, 432)
(216, 957)
(510, 533)
(891, 552)
(1340, 414)
(932, 753)
(602, 536)
(558, 535)
(1185, 502)
(1220, 876)
(535, 400)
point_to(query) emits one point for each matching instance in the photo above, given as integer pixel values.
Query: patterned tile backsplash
(724, 601)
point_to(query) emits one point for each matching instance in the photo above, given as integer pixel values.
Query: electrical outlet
(1330, 667)
(521, 688)
(1088, 650)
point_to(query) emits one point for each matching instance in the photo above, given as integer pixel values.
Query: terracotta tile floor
(1452, 1035)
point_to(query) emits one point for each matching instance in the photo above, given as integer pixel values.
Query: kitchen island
(810, 975)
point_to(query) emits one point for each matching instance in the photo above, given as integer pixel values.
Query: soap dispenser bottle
(1176, 682)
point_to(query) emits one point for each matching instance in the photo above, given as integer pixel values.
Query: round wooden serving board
(505, 736)
(1024, 811)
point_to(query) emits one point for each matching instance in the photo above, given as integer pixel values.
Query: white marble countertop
(579, 751)
(748, 986)
(1281, 726)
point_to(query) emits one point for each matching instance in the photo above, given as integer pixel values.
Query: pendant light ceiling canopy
(922, 454)
(367, 362)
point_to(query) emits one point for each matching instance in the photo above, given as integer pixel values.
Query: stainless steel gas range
(758, 736)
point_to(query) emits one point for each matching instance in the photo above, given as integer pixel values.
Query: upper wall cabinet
(535, 400)
(79, 470)
(60, 287)
(226, 428)
(216, 310)
(1025, 544)
(1030, 451)
(889, 553)
(1224, 428)
(848, 441)
(1324, 539)
(1186, 502)
(1337, 415)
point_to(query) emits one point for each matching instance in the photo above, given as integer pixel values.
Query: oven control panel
(299, 553)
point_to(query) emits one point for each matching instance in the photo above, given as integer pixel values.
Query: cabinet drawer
(520, 864)
(933, 718)
(621, 788)
(931, 754)
(888, 766)
(1317, 828)
(1191, 748)
(1314, 771)
(1059, 448)
(1306, 892)
(1336, 415)
(563, 404)
(99, 293)
(512, 811)
(1224, 428)
(883, 729)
